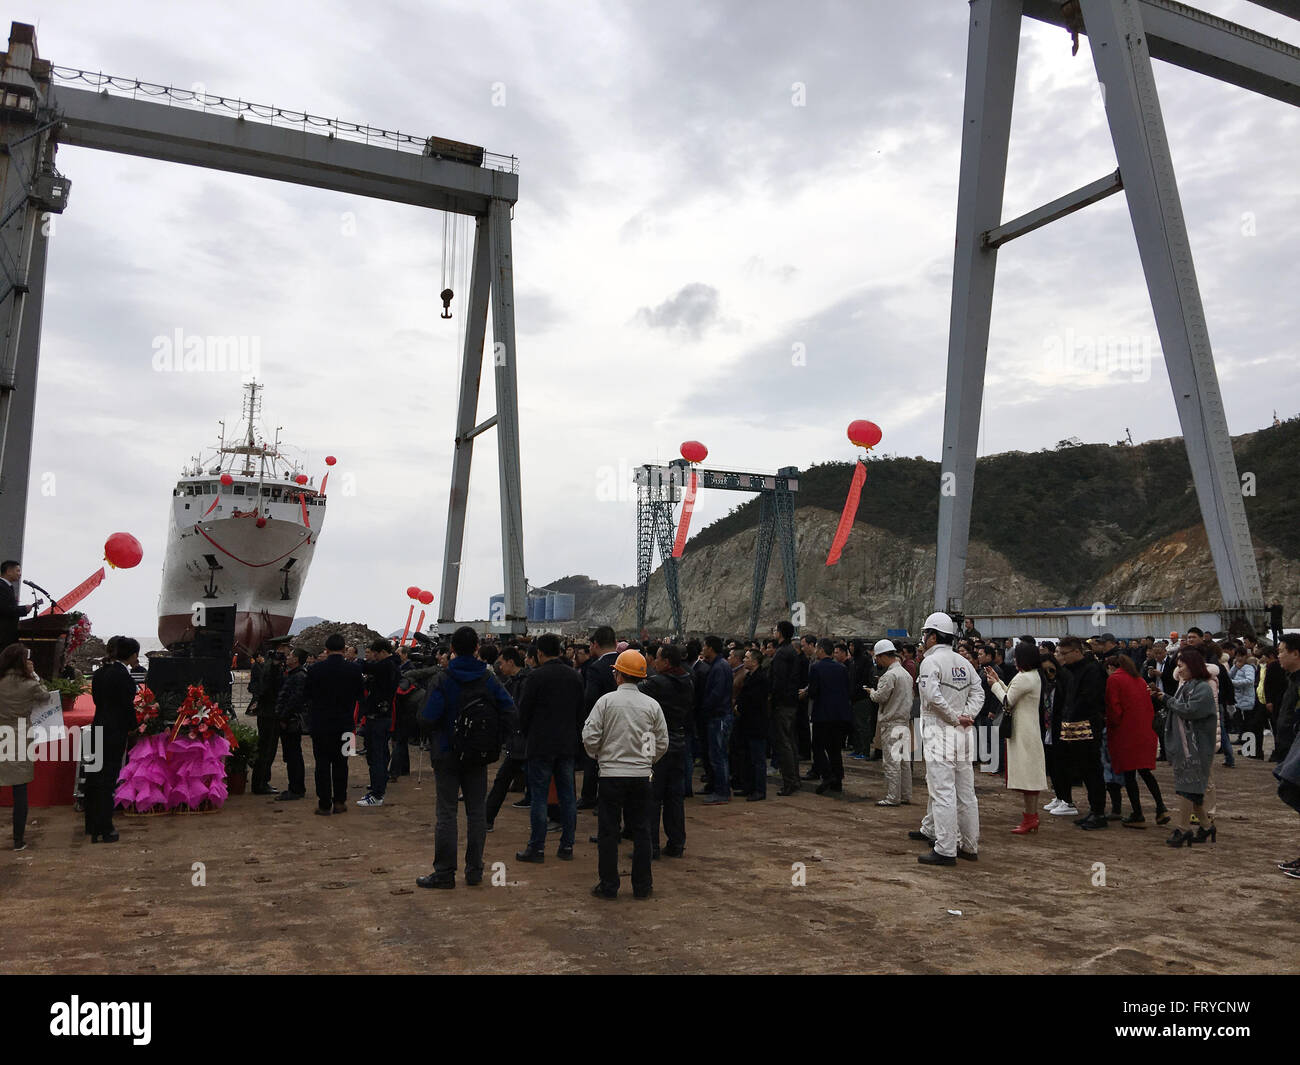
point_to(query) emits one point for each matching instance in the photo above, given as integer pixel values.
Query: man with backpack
(472, 715)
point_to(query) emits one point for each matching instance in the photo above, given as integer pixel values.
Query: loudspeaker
(215, 638)
(177, 674)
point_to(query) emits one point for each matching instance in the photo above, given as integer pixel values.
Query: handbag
(1006, 722)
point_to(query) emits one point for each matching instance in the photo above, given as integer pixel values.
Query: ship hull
(218, 556)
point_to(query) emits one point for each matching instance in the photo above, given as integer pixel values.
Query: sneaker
(1293, 865)
(1066, 810)
(716, 800)
(554, 826)
(370, 800)
(491, 826)
(887, 802)
(1051, 806)
(1294, 874)
(20, 845)
(522, 804)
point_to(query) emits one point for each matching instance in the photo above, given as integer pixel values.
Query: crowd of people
(652, 723)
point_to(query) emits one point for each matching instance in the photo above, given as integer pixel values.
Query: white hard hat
(940, 622)
(884, 647)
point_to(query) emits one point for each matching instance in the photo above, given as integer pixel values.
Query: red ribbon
(324, 481)
(684, 527)
(78, 593)
(850, 512)
(303, 500)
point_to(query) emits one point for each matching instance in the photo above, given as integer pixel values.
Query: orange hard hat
(630, 664)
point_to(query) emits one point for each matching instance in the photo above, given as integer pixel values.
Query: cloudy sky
(702, 250)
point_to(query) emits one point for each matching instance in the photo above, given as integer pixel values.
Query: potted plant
(241, 756)
(68, 690)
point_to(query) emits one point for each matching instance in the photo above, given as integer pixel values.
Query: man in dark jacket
(332, 688)
(511, 673)
(11, 574)
(698, 731)
(752, 726)
(785, 706)
(1078, 715)
(716, 703)
(599, 678)
(267, 693)
(673, 688)
(551, 712)
(1288, 772)
(291, 710)
(1288, 657)
(832, 714)
(382, 670)
(466, 678)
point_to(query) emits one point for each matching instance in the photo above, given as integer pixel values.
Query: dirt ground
(288, 892)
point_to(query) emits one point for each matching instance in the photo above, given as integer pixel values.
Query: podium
(47, 636)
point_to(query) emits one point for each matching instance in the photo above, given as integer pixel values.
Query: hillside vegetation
(1064, 515)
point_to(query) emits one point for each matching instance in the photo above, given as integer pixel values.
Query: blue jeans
(1228, 758)
(540, 772)
(719, 743)
(377, 756)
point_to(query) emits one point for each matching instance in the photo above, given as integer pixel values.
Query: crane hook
(445, 296)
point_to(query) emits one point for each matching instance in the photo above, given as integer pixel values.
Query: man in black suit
(333, 688)
(600, 681)
(550, 710)
(11, 573)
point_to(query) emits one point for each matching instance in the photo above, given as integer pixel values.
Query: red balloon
(227, 480)
(330, 460)
(122, 551)
(694, 451)
(301, 478)
(413, 592)
(426, 598)
(864, 433)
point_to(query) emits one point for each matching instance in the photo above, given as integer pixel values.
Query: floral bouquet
(201, 719)
(148, 716)
(79, 633)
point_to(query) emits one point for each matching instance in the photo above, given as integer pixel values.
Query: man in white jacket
(950, 695)
(893, 694)
(626, 733)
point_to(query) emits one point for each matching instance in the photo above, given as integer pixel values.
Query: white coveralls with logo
(948, 690)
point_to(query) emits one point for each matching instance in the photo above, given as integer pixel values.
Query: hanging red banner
(684, 527)
(305, 520)
(78, 593)
(850, 512)
(324, 481)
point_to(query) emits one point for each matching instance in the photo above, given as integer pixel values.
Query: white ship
(243, 526)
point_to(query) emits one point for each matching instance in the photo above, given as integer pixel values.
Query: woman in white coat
(1026, 764)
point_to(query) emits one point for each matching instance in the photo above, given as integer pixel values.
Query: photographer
(291, 710)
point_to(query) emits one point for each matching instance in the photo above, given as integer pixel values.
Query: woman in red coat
(1130, 739)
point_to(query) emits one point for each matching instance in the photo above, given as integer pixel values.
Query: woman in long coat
(1026, 763)
(113, 689)
(1131, 741)
(21, 694)
(1190, 727)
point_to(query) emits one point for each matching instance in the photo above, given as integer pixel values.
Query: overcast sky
(689, 222)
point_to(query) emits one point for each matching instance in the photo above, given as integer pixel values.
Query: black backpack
(476, 735)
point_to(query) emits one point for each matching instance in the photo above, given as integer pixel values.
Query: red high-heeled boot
(1027, 825)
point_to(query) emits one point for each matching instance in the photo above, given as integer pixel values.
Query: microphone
(36, 587)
